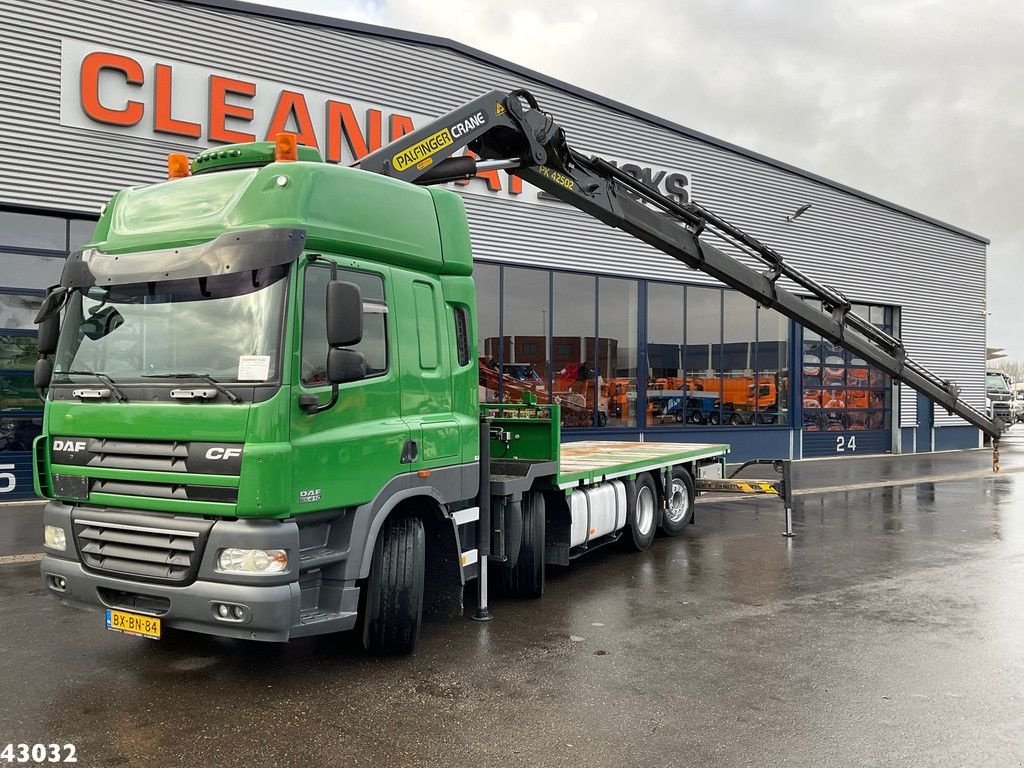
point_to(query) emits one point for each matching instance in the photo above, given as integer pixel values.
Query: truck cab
(213, 450)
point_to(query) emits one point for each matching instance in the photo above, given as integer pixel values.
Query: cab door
(347, 454)
(426, 367)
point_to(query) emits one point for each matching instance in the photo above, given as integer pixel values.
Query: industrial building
(632, 344)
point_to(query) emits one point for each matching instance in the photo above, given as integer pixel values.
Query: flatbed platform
(591, 461)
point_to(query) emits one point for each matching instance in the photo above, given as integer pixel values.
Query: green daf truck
(262, 416)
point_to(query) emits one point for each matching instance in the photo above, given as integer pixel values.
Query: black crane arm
(528, 143)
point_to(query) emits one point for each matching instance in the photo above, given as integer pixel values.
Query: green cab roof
(343, 210)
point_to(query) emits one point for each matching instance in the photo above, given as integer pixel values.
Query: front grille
(143, 546)
(185, 492)
(148, 455)
(177, 463)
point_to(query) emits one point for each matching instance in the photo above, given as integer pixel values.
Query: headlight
(234, 560)
(53, 537)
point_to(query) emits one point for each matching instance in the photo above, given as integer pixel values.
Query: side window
(426, 324)
(462, 334)
(374, 345)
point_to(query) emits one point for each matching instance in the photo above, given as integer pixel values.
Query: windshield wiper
(121, 398)
(203, 376)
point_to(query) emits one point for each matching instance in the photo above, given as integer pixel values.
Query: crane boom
(528, 143)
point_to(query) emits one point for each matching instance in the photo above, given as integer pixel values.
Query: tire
(526, 577)
(602, 419)
(735, 419)
(678, 510)
(715, 418)
(393, 609)
(641, 512)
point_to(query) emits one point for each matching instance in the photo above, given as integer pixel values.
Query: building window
(488, 318)
(522, 360)
(617, 352)
(841, 392)
(33, 231)
(702, 356)
(771, 361)
(574, 376)
(714, 357)
(666, 329)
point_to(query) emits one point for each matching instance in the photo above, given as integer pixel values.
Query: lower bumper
(299, 604)
(270, 611)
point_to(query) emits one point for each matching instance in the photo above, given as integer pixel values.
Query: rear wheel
(679, 503)
(641, 512)
(526, 577)
(394, 592)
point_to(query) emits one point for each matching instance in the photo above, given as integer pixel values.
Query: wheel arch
(423, 501)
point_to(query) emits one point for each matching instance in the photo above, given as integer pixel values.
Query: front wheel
(679, 503)
(394, 592)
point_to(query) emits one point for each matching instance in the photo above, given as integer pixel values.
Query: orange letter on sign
(220, 110)
(163, 122)
(358, 145)
(92, 66)
(399, 126)
(288, 103)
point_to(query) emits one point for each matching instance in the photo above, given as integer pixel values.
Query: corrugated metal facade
(871, 252)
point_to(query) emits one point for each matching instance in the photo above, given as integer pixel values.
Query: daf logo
(71, 446)
(223, 454)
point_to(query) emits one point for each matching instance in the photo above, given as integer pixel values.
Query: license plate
(133, 624)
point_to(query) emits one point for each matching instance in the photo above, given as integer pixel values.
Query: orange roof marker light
(286, 148)
(177, 166)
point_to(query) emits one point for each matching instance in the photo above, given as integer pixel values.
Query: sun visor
(230, 253)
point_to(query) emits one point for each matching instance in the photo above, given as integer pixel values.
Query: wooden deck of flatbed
(591, 461)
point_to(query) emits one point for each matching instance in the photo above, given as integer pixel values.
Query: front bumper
(278, 611)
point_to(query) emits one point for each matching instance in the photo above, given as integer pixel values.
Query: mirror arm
(311, 403)
(330, 262)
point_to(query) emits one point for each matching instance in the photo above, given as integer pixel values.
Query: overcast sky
(920, 102)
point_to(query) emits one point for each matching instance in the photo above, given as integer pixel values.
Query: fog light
(222, 611)
(238, 613)
(258, 561)
(53, 537)
(57, 583)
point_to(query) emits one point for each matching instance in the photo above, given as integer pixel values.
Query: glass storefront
(711, 356)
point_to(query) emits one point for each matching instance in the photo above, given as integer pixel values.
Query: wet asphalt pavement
(889, 632)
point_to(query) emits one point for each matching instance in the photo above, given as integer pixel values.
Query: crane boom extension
(528, 143)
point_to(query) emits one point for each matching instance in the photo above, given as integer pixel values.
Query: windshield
(225, 326)
(995, 383)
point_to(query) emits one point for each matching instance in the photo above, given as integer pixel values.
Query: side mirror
(344, 314)
(48, 319)
(42, 373)
(345, 365)
(49, 329)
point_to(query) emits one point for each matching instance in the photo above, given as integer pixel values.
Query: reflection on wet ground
(889, 632)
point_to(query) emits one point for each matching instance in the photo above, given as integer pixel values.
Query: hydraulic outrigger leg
(780, 487)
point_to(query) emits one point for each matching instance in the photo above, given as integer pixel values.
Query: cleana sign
(186, 105)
